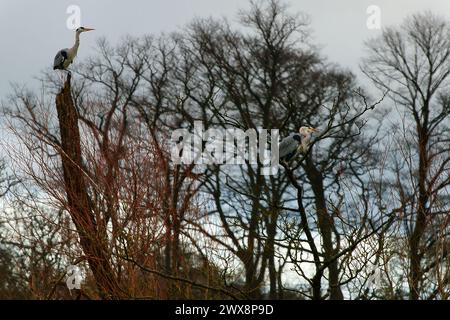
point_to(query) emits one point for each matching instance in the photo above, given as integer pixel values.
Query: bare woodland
(364, 214)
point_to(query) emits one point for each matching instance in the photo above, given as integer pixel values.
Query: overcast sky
(31, 32)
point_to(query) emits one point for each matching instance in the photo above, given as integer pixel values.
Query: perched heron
(295, 142)
(66, 56)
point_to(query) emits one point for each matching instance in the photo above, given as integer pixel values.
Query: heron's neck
(306, 139)
(77, 42)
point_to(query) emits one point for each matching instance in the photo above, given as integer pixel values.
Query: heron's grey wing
(60, 57)
(287, 145)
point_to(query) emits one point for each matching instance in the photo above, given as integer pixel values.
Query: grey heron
(295, 142)
(66, 56)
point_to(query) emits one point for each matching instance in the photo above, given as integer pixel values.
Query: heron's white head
(307, 131)
(83, 29)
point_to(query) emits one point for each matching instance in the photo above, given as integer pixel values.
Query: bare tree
(413, 63)
(271, 78)
(128, 204)
(99, 188)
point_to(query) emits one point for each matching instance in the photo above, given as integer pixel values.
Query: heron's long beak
(88, 29)
(314, 130)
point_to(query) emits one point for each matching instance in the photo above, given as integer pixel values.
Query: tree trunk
(78, 202)
(270, 254)
(415, 256)
(325, 227)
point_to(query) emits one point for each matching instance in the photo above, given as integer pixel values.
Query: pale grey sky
(31, 32)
